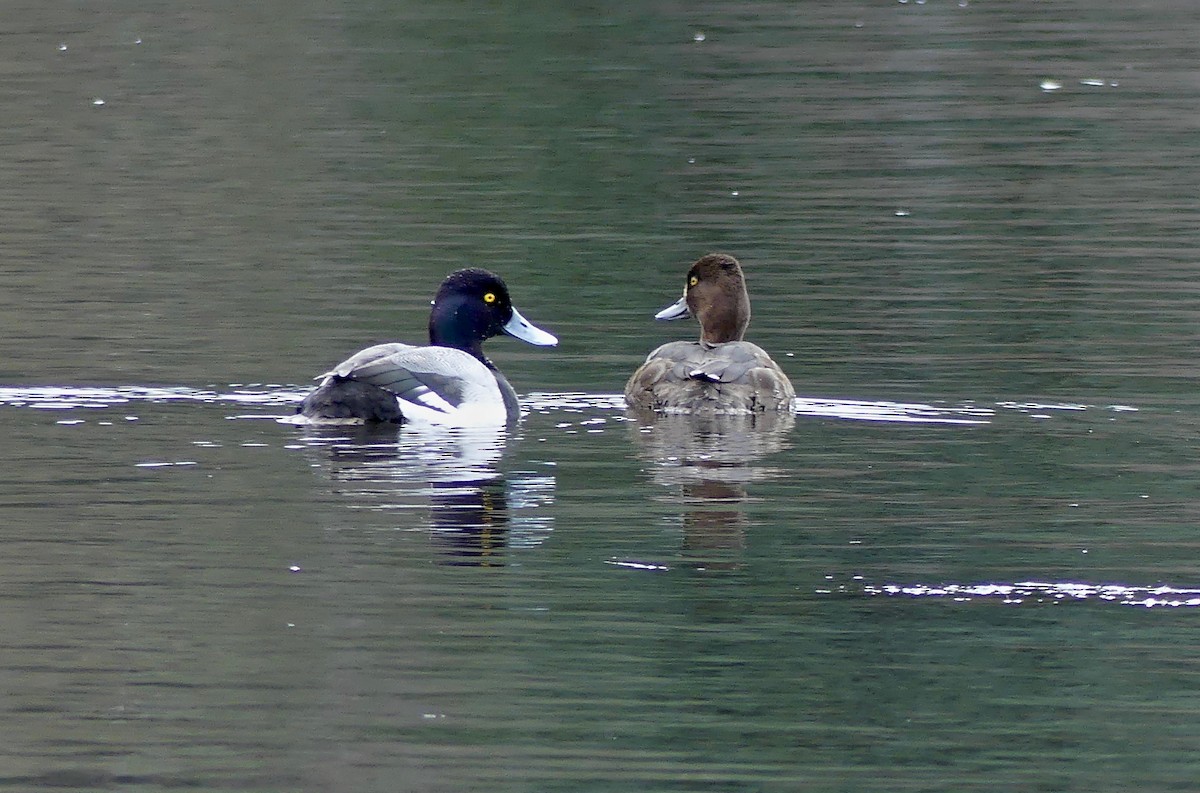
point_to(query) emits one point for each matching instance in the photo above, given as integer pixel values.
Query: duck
(721, 373)
(449, 382)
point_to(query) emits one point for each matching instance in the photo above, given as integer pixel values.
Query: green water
(966, 563)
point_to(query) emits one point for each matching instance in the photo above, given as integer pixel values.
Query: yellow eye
(490, 297)
(693, 281)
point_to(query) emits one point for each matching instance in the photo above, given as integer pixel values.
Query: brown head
(715, 294)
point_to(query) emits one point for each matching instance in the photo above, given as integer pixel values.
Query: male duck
(450, 382)
(720, 374)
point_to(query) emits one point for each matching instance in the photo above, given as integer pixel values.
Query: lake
(966, 561)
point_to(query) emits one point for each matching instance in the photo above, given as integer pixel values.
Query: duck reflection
(476, 513)
(709, 461)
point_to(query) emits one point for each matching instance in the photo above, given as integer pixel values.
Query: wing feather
(441, 379)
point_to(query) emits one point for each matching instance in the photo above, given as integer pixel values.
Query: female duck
(450, 382)
(720, 374)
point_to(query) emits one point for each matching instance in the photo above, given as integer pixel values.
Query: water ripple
(1045, 592)
(273, 395)
(892, 411)
(70, 397)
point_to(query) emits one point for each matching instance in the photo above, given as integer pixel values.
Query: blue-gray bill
(520, 328)
(677, 310)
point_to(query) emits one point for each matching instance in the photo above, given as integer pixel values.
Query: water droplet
(1050, 85)
(97, 102)
(698, 36)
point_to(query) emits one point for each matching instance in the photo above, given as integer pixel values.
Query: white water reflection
(1158, 596)
(267, 395)
(476, 511)
(900, 412)
(52, 397)
(418, 453)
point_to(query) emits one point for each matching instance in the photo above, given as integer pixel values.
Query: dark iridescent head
(473, 305)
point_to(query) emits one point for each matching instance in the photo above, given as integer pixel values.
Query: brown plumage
(721, 373)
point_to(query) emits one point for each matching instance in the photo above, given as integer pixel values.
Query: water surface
(966, 561)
